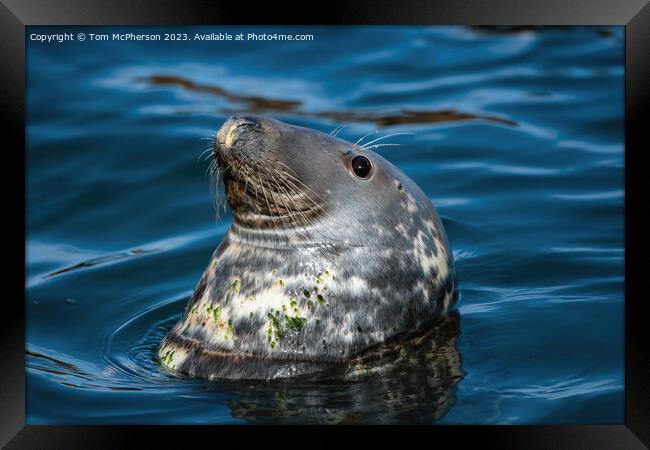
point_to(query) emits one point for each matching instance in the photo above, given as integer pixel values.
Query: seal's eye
(361, 166)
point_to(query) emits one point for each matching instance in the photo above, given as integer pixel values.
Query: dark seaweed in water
(532, 203)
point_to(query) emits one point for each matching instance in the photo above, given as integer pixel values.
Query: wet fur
(374, 251)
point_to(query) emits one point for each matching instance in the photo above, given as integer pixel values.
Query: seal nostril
(246, 122)
(249, 125)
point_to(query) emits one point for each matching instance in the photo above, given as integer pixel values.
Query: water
(518, 143)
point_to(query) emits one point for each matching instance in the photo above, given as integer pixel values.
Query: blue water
(529, 186)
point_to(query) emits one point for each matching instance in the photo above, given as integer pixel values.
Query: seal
(332, 252)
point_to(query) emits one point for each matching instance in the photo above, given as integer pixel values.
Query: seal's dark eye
(361, 166)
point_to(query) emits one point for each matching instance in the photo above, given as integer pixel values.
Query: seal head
(332, 252)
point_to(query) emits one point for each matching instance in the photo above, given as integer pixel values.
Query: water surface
(518, 143)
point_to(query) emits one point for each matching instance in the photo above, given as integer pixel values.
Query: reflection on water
(413, 382)
(259, 104)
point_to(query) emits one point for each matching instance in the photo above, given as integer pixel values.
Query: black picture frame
(15, 15)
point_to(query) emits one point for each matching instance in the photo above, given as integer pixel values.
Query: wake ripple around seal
(128, 358)
(413, 383)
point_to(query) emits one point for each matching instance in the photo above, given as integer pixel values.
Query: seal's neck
(276, 238)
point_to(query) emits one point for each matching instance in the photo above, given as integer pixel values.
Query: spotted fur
(318, 267)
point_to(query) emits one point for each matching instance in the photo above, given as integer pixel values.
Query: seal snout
(234, 127)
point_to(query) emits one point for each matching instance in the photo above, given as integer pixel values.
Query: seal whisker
(284, 217)
(297, 180)
(289, 179)
(243, 170)
(328, 239)
(281, 216)
(381, 145)
(316, 204)
(216, 188)
(365, 136)
(268, 205)
(337, 129)
(385, 137)
(303, 227)
(248, 178)
(293, 215)
(208, 171)
(210, 148)
(212, 137)
(284, 183)
(246, 185)
(340, 128)
(255, 182)
(295, 192)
